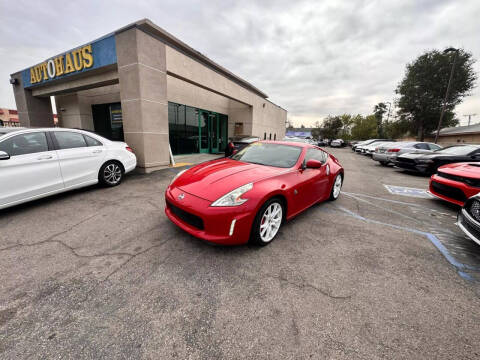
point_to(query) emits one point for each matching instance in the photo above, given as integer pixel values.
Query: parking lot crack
(303, 285)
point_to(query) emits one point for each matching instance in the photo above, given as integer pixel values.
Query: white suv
(35, 163)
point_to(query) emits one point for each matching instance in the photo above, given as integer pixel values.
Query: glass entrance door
(214, 133)
(203, 131)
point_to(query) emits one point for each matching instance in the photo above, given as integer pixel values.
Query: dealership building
(142, 85)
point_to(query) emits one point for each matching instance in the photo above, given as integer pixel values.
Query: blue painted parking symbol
(407, 191)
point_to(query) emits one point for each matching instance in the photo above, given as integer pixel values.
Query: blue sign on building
(100, 53)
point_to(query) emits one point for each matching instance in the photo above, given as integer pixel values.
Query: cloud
(312, 58)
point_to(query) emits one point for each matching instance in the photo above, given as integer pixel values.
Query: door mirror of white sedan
(4, 155)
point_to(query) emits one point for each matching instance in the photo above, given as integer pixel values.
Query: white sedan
(36, 163)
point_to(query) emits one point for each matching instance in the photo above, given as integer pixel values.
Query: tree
(331, 127)
(289, 125)
(423, 88)
(378, 111)
(364, 127)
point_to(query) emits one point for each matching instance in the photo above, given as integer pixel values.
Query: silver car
(387, 153)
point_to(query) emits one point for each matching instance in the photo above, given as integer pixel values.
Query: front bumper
(469, 225)
(215, 222)
(452, 191)
(413, 166)
(383, 157)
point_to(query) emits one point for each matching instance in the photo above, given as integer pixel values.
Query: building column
(142, 75)
(74, 112)
(32, 111)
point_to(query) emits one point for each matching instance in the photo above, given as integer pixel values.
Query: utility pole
(469, 117)
(389, 107)
(448, 89)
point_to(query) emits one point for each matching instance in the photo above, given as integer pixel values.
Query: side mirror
(234, 151)
(4, 155)
(314, 164)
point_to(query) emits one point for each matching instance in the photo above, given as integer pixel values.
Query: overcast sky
(314, 58)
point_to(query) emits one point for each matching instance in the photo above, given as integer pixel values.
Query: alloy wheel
(337, 186)
(270, 222)
(112, 174)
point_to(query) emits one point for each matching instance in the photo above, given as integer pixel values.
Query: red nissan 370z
(456, 182)
(248, 196)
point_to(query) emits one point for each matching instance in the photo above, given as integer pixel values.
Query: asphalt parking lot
(102, 274)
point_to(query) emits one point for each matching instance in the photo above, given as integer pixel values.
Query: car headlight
(176, 176)
(233, 198)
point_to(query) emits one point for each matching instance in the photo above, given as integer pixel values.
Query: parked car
(249, 196)
(337, 143)
(369, 149)
(429, 163)
(240, 141)
(321, 143)
(35, 163)
(468, 218)
(359, 147)
(456, 182)
(388, 152)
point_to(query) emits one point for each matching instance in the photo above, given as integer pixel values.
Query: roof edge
(150, 28)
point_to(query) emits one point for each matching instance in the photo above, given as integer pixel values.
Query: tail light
(128, 148)
(393, 150)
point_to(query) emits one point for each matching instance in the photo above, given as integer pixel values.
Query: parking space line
(460, 267)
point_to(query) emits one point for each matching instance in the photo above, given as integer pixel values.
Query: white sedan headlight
(176, 176)
(233, 198)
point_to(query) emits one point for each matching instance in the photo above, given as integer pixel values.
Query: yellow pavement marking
(182, 164)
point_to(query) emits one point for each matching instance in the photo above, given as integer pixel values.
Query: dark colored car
(429, 163)
(468, 218)
(240, 141)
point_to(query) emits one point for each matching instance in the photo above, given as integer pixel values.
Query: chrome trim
(466, 232)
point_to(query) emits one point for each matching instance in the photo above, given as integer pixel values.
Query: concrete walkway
(192, 159)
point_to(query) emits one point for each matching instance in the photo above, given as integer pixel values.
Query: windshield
(458, 150)
(277, 155)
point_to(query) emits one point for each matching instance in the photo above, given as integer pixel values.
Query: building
(469, 134)
(9, 117)
(143, 85)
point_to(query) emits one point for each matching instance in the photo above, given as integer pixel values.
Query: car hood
(471, 170)
(213, 179)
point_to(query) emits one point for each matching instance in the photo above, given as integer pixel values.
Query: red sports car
(456, 182)
(248, 196)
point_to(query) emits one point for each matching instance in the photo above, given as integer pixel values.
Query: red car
(456, 182)
(248, 196)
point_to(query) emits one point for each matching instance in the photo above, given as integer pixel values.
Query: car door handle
(45, 157)
(96, 151)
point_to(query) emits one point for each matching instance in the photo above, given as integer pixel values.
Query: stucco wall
(257, 114)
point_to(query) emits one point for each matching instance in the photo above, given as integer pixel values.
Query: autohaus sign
(73, 61)
(97, 54)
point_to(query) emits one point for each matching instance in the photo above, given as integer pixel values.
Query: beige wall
(257, 114)
(75, 110)
(457, 139)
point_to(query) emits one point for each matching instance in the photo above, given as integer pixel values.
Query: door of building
(211, 132)
(214, 132)
(107, 121)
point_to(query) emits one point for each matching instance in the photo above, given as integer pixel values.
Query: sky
(313, 58)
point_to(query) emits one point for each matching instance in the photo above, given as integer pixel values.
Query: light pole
(448, 89)
(469, 117)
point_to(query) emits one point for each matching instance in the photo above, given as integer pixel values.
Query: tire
(259, 235)
(336, 188)
(111, 174)
(383, 163)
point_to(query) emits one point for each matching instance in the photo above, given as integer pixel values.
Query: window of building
(265, 136)
(274, 136)
(25, 144)
(270, 137)
(69, 140)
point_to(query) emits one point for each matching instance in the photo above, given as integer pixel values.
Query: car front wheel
(267, 222)
(111, 174)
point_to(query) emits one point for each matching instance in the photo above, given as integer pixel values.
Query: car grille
(474, 210)
(407, 161)
(185, 216)
(462, 179)
(470, 226)
(448, 191)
